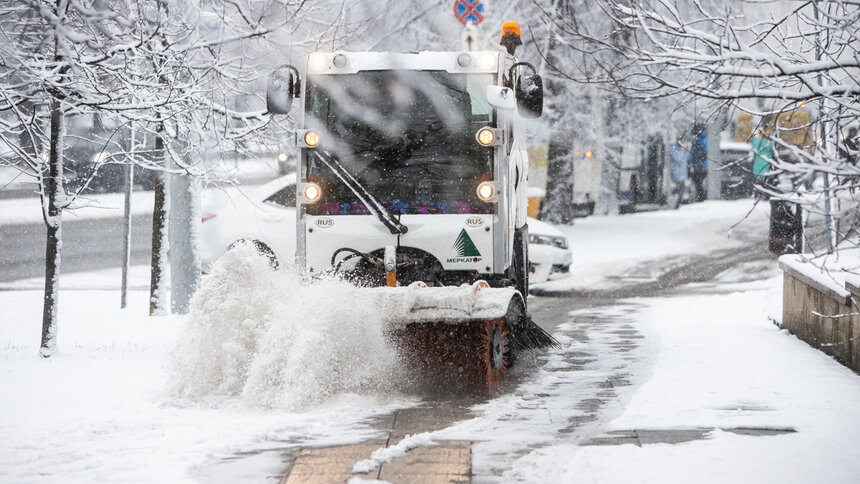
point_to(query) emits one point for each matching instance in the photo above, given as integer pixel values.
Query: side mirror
(284, 84)
(530, 96)
(529, 90)
(501, 97)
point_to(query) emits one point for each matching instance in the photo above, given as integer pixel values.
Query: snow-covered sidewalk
(604, 247)
(99, 411)
(723, 368)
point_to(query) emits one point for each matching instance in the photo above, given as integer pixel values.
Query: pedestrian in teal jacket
(763, 148)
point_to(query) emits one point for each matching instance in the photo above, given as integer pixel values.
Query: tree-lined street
(455, 241)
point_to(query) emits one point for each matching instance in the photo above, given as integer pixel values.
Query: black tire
(514, 319)
(496, 349)
(493, 353)
(261, 248)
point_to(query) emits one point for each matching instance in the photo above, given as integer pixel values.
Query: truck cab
(424, 152)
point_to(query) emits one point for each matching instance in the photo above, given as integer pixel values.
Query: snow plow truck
(412, 181)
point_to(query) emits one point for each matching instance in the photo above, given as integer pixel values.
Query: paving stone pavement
(445, 463)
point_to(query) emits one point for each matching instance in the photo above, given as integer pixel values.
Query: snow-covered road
(688, 383)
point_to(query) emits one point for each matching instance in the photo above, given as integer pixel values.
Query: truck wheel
(493, 350)
(514, 319)
(497, 349)
(261, 248)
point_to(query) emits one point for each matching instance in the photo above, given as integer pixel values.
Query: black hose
(353, 253)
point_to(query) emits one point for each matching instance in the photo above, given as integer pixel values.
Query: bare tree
(764, 57)
(175, 77)
(52, 55)
(584, 111)
(192, 90)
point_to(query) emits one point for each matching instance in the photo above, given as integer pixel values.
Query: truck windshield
(407, 136)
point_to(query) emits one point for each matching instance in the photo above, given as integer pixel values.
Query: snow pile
(272, 339)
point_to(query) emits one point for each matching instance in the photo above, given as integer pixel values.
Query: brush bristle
(452, 355)
(528, 335)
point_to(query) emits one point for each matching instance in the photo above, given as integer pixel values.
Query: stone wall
(806, 303)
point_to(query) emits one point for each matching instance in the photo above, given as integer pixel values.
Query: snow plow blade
(459, 337)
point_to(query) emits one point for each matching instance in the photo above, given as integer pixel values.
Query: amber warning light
(510, 28)
(511, 37)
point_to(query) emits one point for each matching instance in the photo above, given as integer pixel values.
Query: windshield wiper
(372, 204)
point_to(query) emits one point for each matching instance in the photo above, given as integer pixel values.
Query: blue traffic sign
(469, 11)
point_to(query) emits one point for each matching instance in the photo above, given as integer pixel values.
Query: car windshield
(407, 136)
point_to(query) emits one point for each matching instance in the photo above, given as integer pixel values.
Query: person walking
(699, 160)
(762, 147)
(655, 154)
(679, 168)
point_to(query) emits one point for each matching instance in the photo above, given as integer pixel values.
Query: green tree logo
(464, 246)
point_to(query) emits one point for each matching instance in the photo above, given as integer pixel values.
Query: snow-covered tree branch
(776, 61)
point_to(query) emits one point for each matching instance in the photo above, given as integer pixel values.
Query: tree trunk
(126, 229)
(610, 168)
(558, 204)
(610, 176)
(184, 226)
(158, 261)
(53, 190)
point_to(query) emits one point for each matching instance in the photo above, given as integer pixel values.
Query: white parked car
(266, 217)
(549, 252)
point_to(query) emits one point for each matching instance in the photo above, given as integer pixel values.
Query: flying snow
(275, 340)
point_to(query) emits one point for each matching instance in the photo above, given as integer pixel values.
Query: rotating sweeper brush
(412, 179)
(459, 336)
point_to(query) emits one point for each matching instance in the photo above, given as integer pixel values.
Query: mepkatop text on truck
(411, 182)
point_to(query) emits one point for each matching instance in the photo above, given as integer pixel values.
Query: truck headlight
(560, 242)
(311, 139)
(487, 60)
(486, 136)
(486, 191)
(312, 192)
(339, 61)
(318, 61)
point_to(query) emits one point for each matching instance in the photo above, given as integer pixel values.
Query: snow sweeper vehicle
(412, 181)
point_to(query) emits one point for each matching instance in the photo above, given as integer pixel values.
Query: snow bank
(727, 367)
(97, 412)
(272, 339)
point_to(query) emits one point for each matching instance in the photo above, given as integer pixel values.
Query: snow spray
(275, 340)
